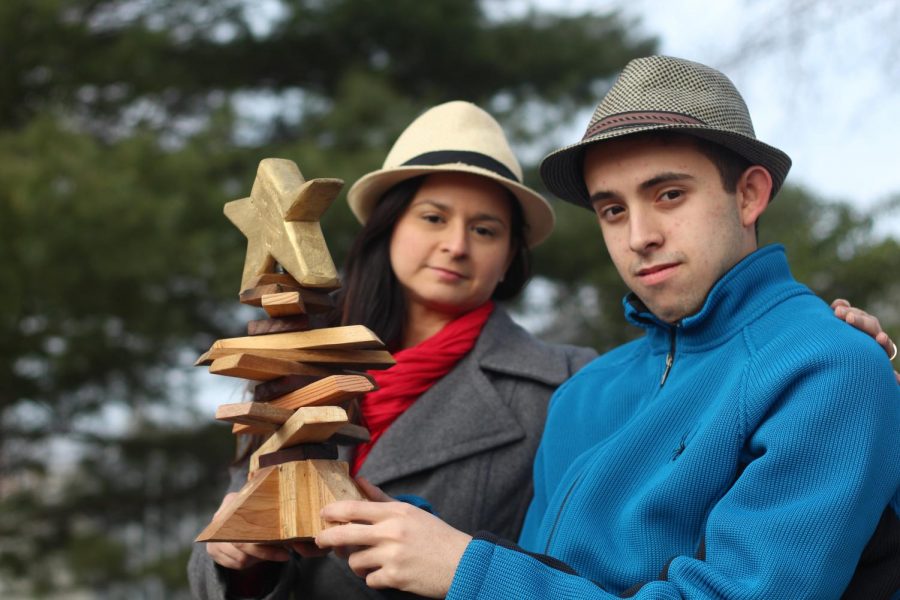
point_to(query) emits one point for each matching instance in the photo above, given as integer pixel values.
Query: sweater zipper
(562, 506)
(670, 357)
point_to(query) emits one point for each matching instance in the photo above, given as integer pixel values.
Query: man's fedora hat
(661, 93)
(454, 137)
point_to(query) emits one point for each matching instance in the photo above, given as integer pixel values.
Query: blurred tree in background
(125, 125)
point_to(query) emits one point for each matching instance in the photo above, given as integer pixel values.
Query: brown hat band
(473, 159)
(633, 119)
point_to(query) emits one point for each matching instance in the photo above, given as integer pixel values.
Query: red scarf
(417, 369)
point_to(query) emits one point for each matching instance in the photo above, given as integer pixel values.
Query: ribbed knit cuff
(417, 501)
(472, 569)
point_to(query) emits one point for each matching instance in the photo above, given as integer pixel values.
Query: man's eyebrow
(664, 178)
(603, 196)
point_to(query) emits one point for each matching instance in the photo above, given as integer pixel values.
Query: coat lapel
(463, 414)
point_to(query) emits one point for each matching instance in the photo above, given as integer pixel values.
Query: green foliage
(124, 127)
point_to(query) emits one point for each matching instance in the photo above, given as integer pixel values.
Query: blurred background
(125, 125)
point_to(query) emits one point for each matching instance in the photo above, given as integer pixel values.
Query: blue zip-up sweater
(748, 452)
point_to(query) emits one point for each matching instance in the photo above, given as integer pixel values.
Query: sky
(819, 77)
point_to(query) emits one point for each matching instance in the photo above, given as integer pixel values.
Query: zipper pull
(669, 360)
(670, 357)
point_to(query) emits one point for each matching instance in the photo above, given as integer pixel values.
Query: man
(748, 446)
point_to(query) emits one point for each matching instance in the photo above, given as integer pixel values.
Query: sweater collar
(751, 287)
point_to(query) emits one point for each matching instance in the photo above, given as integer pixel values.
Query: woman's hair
(372, 295)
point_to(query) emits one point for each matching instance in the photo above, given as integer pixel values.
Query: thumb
(371, 491)
(226, 502)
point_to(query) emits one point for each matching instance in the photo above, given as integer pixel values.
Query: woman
(448, 227)
(447, 230)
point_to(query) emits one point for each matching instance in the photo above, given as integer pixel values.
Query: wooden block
(253, 413)
(285, 304)
(262, 368)
(269, 390)
(282, 503)
(330, 390)
(269, 278)
(307, 425)
(249, 517)
(263, 429)
(306, 487)
(344, 359)
(314, 301)
(354, 412)
(350, 435)
(279, 325)
(318, 195)
(334, 390)
(253, 296)
(355, 337)
(301, 452)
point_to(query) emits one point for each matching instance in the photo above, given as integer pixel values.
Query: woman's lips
(447, 274)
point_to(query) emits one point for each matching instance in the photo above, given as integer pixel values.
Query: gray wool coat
(466, 445)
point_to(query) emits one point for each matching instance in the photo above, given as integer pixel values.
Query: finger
(356, 511)
(863, 321)
(372, 492)
(364, 561)
(229, 556)
(265, 552)
(352, 534)
(840, 302)
(308, 549)
(226, 501)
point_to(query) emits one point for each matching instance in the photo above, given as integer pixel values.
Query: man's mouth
(656, 273)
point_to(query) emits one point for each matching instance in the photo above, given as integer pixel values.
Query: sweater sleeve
(822, 447)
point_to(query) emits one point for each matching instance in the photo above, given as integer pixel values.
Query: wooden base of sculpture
(299, 489)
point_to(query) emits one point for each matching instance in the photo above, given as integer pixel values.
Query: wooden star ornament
(281, 222)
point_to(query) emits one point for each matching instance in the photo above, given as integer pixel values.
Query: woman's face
(451, 246)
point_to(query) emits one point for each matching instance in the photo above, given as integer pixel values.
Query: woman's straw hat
(454, 137)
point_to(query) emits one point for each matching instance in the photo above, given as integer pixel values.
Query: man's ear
(754, 189)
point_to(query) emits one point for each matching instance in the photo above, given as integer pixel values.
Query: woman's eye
(484, 231)
(432, 218)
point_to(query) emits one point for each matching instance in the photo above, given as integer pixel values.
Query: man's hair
(730, 164)
(372, 295)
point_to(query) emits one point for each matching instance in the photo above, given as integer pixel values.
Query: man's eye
(612, 211)
(671, 195)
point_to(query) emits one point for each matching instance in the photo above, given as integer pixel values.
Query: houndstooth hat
(665, 93)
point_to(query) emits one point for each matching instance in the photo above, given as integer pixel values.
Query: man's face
(669, 225)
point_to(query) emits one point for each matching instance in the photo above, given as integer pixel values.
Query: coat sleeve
(823, 468)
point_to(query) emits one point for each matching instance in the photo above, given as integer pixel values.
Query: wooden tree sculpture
(308, 378)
